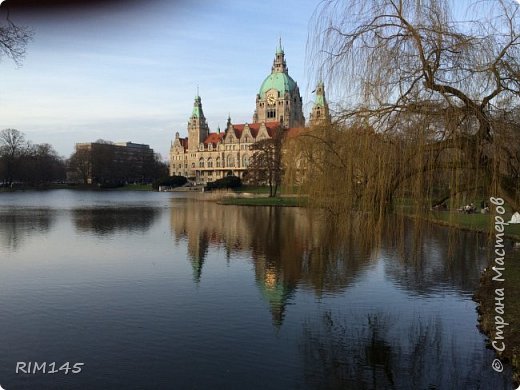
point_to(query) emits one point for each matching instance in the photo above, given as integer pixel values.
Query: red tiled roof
(213, 138)
(254, 128)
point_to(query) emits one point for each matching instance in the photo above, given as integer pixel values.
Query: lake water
(159, 291)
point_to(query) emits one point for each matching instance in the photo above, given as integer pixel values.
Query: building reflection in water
(290, 247)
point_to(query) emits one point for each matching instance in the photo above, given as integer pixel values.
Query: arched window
(201, 163)
(217, 162)
(245, 161)
(193, 165)
(230, 161)
(210, 162)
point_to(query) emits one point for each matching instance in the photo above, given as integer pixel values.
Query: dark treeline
(23, 162)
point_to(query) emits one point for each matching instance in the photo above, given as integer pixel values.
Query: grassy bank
(286, 201)
(474, 222)
(284, 190)
(135, 187)
(252, 189)
(485, 296)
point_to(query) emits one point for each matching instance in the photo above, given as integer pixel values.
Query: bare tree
(440, 92)
(266, 163)
(80, 163)
(12, 146)
(13, 38)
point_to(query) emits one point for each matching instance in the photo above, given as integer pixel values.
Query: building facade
(204, 156)
(121, 162)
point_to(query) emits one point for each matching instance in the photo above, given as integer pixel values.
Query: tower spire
(280, 48)
(279, 64)
(228, 123)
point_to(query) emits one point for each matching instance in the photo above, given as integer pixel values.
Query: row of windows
(209, 173)
(242, 146)
(229, 163)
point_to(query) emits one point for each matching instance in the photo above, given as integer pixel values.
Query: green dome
(282, 82)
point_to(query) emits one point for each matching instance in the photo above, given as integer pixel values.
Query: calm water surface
(160, 291)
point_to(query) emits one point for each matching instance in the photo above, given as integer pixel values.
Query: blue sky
(130, 74)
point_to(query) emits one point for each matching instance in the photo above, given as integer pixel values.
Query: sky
(129, 70)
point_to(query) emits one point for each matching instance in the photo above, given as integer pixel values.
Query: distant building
(121, 162)
(207, 156)
(320, 110)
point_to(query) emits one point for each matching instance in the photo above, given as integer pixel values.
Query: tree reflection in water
(424, 259)
(379, 351)
(17, 225)
(109, 220)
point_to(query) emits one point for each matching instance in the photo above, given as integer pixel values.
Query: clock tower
(279, 97)
(198, 128)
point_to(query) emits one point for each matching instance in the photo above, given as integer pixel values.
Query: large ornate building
(207, 156)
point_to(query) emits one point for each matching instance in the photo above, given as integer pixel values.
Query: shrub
(225, 182)
(169, 181)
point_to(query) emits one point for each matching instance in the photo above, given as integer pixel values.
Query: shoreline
(485, 300)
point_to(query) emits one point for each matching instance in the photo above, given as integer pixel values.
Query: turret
(320, 110)
(198, 128)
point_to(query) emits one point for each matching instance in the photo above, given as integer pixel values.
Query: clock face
(271, 100)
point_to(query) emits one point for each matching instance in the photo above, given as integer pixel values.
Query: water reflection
(213, 296)
(295, 249)
(108, 220)
(300, 247)
(289, 248)
(381, 351)
(427, 259)
(18, 225)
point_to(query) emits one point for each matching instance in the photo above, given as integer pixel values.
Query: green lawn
(477, 222)
(265, 201)
(252, 189)
(135, 187)
(265, 189)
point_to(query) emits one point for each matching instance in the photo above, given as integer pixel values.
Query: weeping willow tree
(428, 104)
